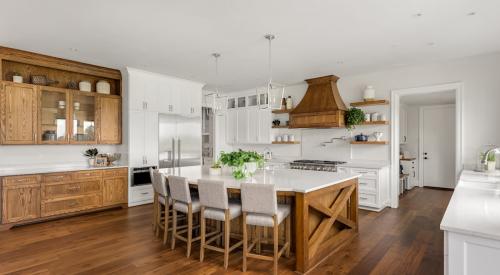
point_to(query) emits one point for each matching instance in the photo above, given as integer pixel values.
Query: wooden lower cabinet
(115, 191)
(31, 197)
(20, 202)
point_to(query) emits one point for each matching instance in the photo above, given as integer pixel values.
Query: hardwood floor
(406, 240)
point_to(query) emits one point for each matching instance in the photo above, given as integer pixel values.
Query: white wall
(480, 111)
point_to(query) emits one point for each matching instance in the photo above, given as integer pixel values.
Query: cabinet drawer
(366, 173)
(20, 180)
(367, 199)
(59, 177)
(122, 172)
(142, 194)
(69, 205)
(60, 190)
(368, 185)
(86, 174)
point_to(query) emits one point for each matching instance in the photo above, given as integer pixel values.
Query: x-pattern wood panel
(331, 214)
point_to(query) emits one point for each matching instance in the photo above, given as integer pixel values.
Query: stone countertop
(50, 168)
(286, 180)
(474, 208)
(365, 164)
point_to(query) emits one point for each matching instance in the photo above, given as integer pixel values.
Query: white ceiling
(314, 37)
(442, 98)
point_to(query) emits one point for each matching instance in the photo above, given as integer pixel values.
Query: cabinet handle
(363, 198)
(73, 204)
(74, 188)
(144, 193)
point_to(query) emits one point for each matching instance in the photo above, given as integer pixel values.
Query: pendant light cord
(216, 55)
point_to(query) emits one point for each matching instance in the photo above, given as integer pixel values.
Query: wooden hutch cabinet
(57, 113)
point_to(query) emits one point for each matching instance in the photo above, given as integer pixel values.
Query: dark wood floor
(406, 240)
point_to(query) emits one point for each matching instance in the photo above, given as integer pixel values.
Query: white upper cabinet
(242, 131)
(163, 94)
(253, 124)
(231, 126)
(265, 122)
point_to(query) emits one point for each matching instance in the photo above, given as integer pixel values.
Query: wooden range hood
(321, 107)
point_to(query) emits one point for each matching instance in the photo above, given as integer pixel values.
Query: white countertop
(474, 208)
(301, 181)
(365, 164)
(49, 168)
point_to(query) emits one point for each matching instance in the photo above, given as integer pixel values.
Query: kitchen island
(325, 215)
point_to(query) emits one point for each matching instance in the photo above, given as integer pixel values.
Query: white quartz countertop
(365, 164)
(286, 180)
(474, 208)
(47, 168)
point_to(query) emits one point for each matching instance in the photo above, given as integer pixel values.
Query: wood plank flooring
(406, 240)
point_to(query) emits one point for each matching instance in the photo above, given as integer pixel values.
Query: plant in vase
(492, 163)
(91, 153)
(215, 169)
(353, 117)
(243, 163)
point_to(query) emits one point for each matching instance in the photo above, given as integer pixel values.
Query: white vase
(17, 79)
(250, 167)
(215, 171)
(103, 87)
(492, 165)
(369, 93)
(91, 162)
(85, 86)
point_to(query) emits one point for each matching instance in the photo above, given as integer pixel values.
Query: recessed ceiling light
(340, 62)
(418, 14)
(471, 13)
(431, 44)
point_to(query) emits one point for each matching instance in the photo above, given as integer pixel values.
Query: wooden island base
(325, 220)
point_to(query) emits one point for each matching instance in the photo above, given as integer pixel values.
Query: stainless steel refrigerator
(179, 141)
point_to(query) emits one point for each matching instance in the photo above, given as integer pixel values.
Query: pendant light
(274, 92)
(217, 102)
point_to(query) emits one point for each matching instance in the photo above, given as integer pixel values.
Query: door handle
(426, 158)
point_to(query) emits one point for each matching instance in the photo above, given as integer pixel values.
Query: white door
(438, 149)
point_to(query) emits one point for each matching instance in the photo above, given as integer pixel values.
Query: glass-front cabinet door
(83, 115)
(53, 115)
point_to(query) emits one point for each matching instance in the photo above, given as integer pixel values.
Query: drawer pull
(363, 183)
(363, 198)
(21, 180)
(74, 188)
(73, 204)
(144, 193)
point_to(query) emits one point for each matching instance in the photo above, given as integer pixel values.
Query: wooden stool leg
(257, 232)
(166, 216)
(154, 211)
(218, 228)
(158, 218)
(227, 237)
(275, 244)
(190, 230)
(203, 232)
(288, 232)
(245, 242)
(174, 228)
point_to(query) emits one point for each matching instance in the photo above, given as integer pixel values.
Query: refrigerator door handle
(173, 152)
(179, 152)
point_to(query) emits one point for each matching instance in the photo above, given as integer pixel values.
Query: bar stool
(162, 203)
(215, 205)
(260, 208)
(184, 203)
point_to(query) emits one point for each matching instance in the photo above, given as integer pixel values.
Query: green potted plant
(91, 153)
(353, 117)
(243, 163)
(492, 163)
(215, 169)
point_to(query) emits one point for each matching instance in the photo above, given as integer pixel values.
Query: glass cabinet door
(83, 118)
(53, 116)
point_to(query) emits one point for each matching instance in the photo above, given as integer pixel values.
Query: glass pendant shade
(275, 92)
(217, 102)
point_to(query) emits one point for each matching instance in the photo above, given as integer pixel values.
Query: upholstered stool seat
(266, 220)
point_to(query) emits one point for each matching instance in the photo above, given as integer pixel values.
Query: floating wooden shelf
(408, 159)
(370, 103)
(380, 122)
(281, 127)
(286, 142)
(282, 111)
(370, 142)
